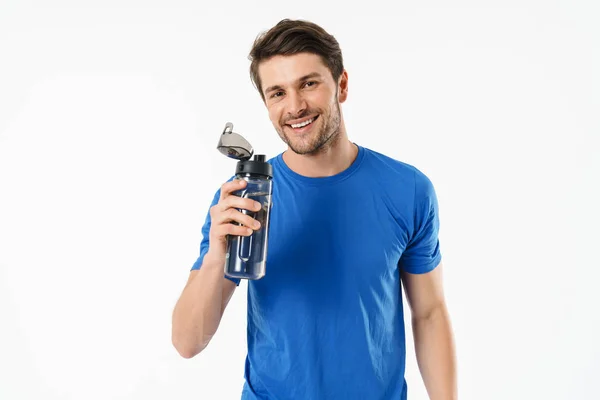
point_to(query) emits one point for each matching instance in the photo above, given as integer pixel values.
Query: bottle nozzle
(259, 157)
(228, 128)
(233, 145)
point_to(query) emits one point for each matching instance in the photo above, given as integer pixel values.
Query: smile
(304, 123)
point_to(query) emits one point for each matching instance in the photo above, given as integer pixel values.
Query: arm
(432, 332)
(200, 308)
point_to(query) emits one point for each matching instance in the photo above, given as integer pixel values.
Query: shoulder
(390, 167)
(404, 182)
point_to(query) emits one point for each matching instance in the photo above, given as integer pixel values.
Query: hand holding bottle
(244, 250)
(226, 219)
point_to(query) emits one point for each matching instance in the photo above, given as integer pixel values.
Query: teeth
(300, 125)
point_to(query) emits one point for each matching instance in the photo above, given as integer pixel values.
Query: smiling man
(351, 229)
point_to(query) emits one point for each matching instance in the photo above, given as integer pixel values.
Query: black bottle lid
(257, 166)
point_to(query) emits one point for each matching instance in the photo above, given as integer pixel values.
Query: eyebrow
(302, 79)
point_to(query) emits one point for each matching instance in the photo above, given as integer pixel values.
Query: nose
(296, 104)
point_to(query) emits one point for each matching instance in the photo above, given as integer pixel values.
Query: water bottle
(246, 255)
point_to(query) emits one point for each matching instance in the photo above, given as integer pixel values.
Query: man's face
(300, 89)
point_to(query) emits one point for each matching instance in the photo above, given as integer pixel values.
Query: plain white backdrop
(110, 113)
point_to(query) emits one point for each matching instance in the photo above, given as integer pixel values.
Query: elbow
(188, 352)
(186, 349)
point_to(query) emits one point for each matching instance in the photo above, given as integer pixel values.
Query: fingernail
(257, 224)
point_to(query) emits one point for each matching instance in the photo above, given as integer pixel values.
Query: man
(350, 228)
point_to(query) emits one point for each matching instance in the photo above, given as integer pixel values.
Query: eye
(277, 94)
(310, 83)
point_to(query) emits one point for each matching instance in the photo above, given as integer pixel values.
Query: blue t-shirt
(326, 321)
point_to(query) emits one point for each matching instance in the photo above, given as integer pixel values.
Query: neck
(330, 160)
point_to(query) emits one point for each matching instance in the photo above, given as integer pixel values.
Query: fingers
(232, 222)
(225, 229)
(239, 202)
(229, 187)
(226, 217)
(233, 215)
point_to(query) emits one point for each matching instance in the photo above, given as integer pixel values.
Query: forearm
(198, 311)
(434, 347)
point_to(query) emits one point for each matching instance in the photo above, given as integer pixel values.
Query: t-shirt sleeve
(422, 254)
(205, 239)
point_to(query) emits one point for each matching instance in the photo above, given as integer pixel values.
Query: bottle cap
(258, 166)
(233, 145)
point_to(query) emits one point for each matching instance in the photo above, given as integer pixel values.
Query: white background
(109, 117)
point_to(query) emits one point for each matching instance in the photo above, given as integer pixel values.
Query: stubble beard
(312, 143)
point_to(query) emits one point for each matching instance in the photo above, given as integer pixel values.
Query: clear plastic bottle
(246, 255)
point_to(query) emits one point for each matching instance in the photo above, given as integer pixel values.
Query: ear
(343, 87)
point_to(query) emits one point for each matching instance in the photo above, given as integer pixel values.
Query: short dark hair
(290, 37)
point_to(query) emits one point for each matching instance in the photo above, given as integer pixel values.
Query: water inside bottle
(246, 254)
(252, 245)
